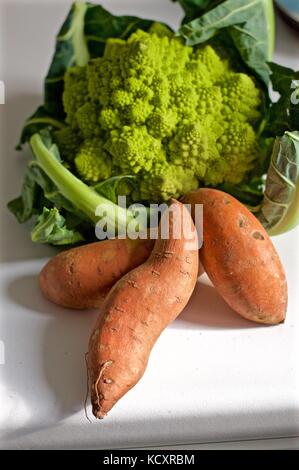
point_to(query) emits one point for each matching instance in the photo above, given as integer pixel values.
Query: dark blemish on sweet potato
(242, 222)
(258, 236)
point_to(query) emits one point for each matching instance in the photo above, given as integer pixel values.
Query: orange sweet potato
(81, 277)
(137, 310)
(240, 258)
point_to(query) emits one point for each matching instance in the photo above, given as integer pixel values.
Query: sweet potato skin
(240, 258)
(81, 277)
(134, 314)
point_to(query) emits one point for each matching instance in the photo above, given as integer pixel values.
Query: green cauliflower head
(174, 116)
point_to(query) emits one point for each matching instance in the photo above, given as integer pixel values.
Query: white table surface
(212, 376)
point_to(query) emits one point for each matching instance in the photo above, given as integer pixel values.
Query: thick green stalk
(83, 198)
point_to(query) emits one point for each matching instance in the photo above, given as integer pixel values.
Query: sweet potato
(136, 311)
(240, 259)
(80, 278)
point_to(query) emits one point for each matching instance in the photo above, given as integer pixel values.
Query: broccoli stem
(83, 197)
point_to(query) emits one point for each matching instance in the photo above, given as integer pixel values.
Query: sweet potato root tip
(240, 258)
(136, 311)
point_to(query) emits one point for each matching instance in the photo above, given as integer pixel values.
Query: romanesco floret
(216, 66)
(210, 101)
(160, 30)
(110, 119)
(138, 146)
(184, 99)
(238, 148)
(165, 181)
(68, 142)
(241, 99)
(74, 96)
(195, 147)
(92, 162)
(87, 118)
(162, 123)
(164, 112)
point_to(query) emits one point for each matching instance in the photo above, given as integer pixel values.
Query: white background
(212, 376)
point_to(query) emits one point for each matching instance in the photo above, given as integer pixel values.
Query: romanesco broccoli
(173, 116)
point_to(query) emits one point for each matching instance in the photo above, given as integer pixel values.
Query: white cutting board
(212, 376)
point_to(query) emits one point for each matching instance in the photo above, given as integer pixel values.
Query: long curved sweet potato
(81, 277)
(240, 258)
(137, 310)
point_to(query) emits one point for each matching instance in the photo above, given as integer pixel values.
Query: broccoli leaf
(280, 207)
(250, 26)
(284, 114)
(71, 49)
(101, 25)
(23, 206)
(38, 191)
(51, 228)
(50, 190)
(116, 186)
(195, 8)
(40, 119)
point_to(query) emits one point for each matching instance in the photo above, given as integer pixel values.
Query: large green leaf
(23, 206)
(284, 114)
(40, 119)
(51, 228)
(195, 8)
(101, 25)
(37, 191)
(123, 185)
(280, 208)
(248, 23)
(70, 49)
